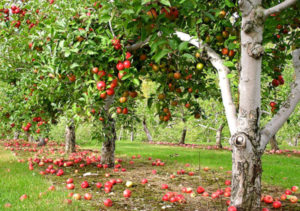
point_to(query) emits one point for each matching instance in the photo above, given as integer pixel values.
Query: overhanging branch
(279, 7)
(224, 82)
(138, 45)
(286, 108)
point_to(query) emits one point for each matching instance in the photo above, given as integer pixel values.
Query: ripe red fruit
(232, 208)
(23, 197)
(119, 110)
(125, 111)
(128, 55)
(70, 180)
(98, 184)
(127, 64)
(120, 66)
(95, 70)
(288, 192)
(295, 189)
(231, 53)
(272, 104)
(283, 197)
(144, 181)
(225, 51)
(227, 182)
(268, 199)
(70, 186)
(127, 193)
(276, 204)
(275, 82)
(214, 195)
(87, 196)
(76, 196)
(84, 184)
(101, 85)
(110, 91)
(51, 188)
(164, 186)
(103, 95)
(108, 203)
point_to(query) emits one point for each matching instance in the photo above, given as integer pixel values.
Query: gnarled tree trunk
(273, 143)
(183, 135)
(70, 137)
(219, 136)
(149, 137)
(108, 146)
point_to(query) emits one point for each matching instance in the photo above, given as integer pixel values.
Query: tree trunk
(41, 142)
(273, 143)
(296, 140)
(219, 136)
(121, 133)
(29, 137)
(149, 137)
(108, 146)
(70, 137)
(183, 135)
(16, 135)
(132, 135)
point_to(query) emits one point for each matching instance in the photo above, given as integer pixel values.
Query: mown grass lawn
(16, 180)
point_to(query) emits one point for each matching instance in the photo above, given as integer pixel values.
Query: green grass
(278, 170)
(16, 180)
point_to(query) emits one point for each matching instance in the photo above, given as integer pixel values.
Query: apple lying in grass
(232, 208)
(87, 196)
(144, 181)
(84, 184)
(276, 204)
(293, 199)
(164, 186)
(295, 189)
(288, 192)
(70, 180)
(70, 186)
(70, 194)
(98, 184)
(51, 188)
(227, 182)
(108, 202)
(283, 197)
(200, 189)
(23, 197)
(7, 205)
(268, 199)
(205, 194)
(76, 196)
(129, 184)
(119, 181)
(206, 168)
(127, 193)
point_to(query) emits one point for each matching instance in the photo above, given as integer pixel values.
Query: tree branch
(224, 82)
(138, 45)
(286, 108)
(279, 7)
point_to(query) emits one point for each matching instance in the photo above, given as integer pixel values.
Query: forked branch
(279, 7)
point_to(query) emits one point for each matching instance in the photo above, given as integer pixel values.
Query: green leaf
(67, 53)
(189, 57)
(229, 64)
(74, 65)
(183, 46)
(229, 3)
(136, 81)
(165, 2)
(160, 55)
(89, 52)
(145, 1)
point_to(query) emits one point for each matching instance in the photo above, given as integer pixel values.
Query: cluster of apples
(276, 203)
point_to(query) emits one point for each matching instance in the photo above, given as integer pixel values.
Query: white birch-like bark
(279, 7)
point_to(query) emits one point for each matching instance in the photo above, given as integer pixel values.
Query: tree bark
(41, 142)
(70, 137)
(132, 134)
(183, 135)
(108, 146)
(273, 143)
(149, 137)
(16, 135)
(121, 133)
(219, 136)
(29, 137)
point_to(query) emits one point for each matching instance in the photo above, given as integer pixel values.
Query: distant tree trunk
(108, 146)
(70, 137)
(16, 135)
(273, 143)
(132, 134)
(41, 141)
(149, 137)
(29, 137)
(219, 136)
(297, 140)
(183, 135)
(121, 133)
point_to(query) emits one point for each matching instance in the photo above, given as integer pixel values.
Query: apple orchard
(86, 61)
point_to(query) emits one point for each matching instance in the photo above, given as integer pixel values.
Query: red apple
(293, 199)
(127, 193)
(87, 196)
(200, 189)
(164, 186)
(98, 184)
(288, 192)
(84, 184)
(295, 189)
(276, 204)
(144, 181)
(268, 199)
(232, 208)
(70, 186)
(76, 196)
(108, 203)
(227, 182)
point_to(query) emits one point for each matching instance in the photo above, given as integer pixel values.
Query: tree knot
(255, 50)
